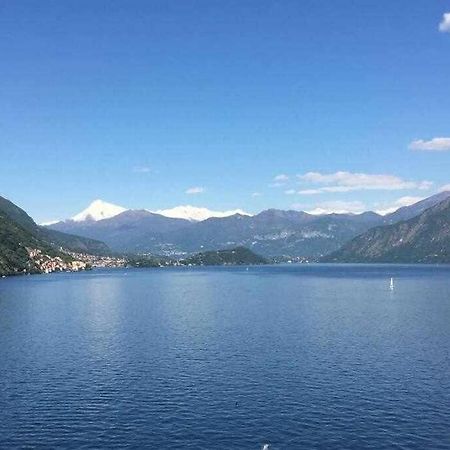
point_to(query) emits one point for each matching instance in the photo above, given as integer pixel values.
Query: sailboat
(391, 285)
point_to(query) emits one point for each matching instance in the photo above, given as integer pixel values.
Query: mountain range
(270, 233)
(99, 210)
(416, 233)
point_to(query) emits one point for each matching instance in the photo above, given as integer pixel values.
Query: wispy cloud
(279, 180)
(445, 188)
(444, 26)
(438, 144)
(309, 191)
(142, 169)
(349, 181)
(195, 190)
(256, 194)
(337, 207)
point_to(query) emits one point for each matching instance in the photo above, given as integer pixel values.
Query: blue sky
(138, 102)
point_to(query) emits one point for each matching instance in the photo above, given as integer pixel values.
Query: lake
(297, 357)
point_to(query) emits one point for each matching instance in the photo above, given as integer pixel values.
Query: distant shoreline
(195, 267)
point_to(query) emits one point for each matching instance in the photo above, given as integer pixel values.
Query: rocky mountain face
(422, 239)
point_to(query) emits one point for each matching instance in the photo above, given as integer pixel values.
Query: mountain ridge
(271, 233)
(422, 239)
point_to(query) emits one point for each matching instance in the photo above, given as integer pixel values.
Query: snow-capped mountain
(196, 214)
(98, 210)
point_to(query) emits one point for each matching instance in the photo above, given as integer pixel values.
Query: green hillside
(19, 231)
(13, 254)
(52, 237)
(236, 256)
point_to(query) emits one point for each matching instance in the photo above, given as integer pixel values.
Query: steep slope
(408, 212)
(16, 214)
(21, 251)
(14, 239)
(51, 237)
(425, 238)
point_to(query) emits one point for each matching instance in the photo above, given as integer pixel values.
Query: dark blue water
(297, 357)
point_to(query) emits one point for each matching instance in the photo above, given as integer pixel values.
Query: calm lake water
(298, 357)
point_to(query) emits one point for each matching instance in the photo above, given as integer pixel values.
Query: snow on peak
(98, 210)
(50, 222)
(196, 214)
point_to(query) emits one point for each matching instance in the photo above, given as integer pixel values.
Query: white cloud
(444, 26)
(309, 191)
(256, 194)
(195, 190)
(402, 201)
(337, 207)
(438, 144)
(141, 169)
(350, 181)
(445, 188)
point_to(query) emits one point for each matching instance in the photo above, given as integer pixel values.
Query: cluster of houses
(98, 260)
(47, 264)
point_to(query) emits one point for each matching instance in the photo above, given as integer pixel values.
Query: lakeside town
(69, 261)
(75, 262)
